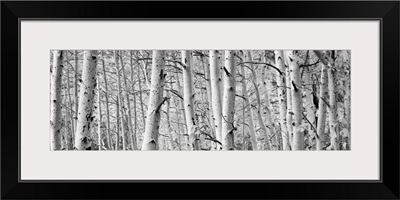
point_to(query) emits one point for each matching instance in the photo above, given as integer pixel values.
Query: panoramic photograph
(200, 100)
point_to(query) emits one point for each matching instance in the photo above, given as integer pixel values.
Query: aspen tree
(258, 99)
(289, 113)
(330, 88)
(322, 107)
(297, 105)
(70, 104)
(228, 105)
(134, 102)
(188, 98)
(333, 125)
(55, 100)
(248, 109)
(267, 107)
(141, 96)
(85, 112)
(281, 83)
(99, 111)
(150, 140)
(76, 89)
(215, 78)
(309, 102)
(121, 99)
(131, 133)
(109, 143)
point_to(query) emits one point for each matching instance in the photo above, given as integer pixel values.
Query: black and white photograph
(200, 100)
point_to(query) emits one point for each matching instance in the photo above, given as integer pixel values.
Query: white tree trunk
(109, 142)
(99, 111)
(76, 90)
(249, 110)
(347, 100)
(228, 105)
(309, 103)
(131, 133)
(333, 123)
(150, 140)
(188, 98)
(120, 98)
(297, 105)
(322, 106)
(281, 83)
(215, 77)
(70, 105)
(85, 112)
(289, 113)
(267, 108)
(55, 100)
(257, 94)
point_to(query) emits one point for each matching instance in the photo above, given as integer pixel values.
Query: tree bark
(76, 90)
(309, 103)
(85, 112)
(117, 128)
(298, 136)
(257, 94)
(121, 99)
(188, 98)
(289, 113)
(70, 104)
(281, 83)
(215, 78)
(109, 142)
(55, 100)
(267, 108)
(131, 133)
(150, 140)
(99, 111)
(134, 103)
(228, 105)
(141, 97)
(322, 106)
(249, 110)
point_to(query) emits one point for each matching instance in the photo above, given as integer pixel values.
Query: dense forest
(200, 100)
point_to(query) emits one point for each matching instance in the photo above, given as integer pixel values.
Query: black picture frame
(13, 11)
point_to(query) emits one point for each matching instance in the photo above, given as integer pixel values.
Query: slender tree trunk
(182, 108)
(309, 103)
(215, 78)
(150, 140)
(170, 130)
(347, 110)
(117, 128)
(70, 104)
(178, 109)
(249, 110)
(55, 100)
(188, 98)
(76, 90)
(99, 111)
(228, 105)
(134, 103)
(322, 106)
(141, 97)
(85, 112)
(333, 123)
(257, 93)
(289, 113)
(298, 136)
(281, 83)
(209, 96)
(121, 99)
(109, 142)
(267, 108)
(131, 133)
